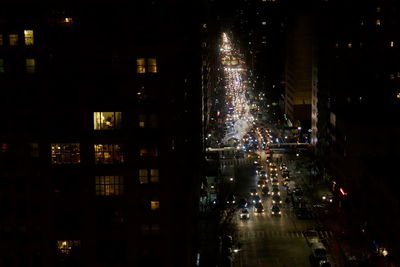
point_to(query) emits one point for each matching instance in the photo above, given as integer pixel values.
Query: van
(318, 251)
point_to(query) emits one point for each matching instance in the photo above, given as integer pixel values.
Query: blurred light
(343, 192)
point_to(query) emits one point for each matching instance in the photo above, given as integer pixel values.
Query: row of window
(69, 153)
(29, 65)
(141, 66)
(12, 39)
(112, 121)
(350, 44)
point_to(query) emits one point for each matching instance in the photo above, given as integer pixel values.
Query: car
(311, 236)
(260, 184)
(265, 191)
(275, 210)
(276, 199)
(253, 192)
(275, 191)
(263, 173)
(285, 173)
(272, 167)
(318, 251)
(283, 166)
(263, 178)
(231, 199)
(275, 182)
(244, 214)
(256, 199)
(258, 208)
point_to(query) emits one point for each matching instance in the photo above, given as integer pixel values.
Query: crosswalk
(271, 234)
(240, 161)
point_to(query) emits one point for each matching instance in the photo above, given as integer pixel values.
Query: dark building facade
(358, 103)
(101, 143)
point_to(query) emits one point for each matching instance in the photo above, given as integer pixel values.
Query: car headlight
(324, 197)
(330, 200)
(259, 201)
(234, 202)
(273, 201)
(280, 201)
(273, 212)
(279, 212)
(279, 193)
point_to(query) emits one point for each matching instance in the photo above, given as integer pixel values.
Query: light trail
(238, 116)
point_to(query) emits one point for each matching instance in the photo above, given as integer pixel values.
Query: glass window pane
(13, 39)
(28, 34)
(152, 65)
(30, 65)
(140, 65)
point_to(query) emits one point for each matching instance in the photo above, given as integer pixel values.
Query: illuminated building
(100, 139)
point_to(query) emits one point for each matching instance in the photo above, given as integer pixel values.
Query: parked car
(275, 210)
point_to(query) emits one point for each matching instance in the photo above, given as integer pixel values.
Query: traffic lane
(271, 241)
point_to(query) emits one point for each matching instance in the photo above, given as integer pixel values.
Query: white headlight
(279, 212)
(273, 212)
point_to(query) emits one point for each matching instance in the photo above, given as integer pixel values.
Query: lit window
(28, 34)
(362, 23)
(30, 65)
(349, 45)
(68, 20)
(140, 65)
(65, 153)
(391, 44)
(264, 23)
(66, 247)
(337, 45)
(148, 151)
(144, 176)
(154, 205)
(152, 65)
(13, 39)
(378, 9)
(107, 120)
(109, 185)
(142, 121)
(2, 65)
(1, 39)
(154, 176)
(378, 22)
(398, 95)
(108, 154)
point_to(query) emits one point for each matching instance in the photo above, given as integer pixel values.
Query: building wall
(63, 213)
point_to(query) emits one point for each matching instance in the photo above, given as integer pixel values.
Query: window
(146, 121)
(378, 22)
(66, 247)
(154, 204)
(66, 153)
(349, 45)
(391, 45)
(34, 150)
(152, 65)
(2, 65)
(148, 151)
(398, 95)
(148, 175)
(140, 65)
(28, 34)
(109, 185)
(4, 148)
(264, 23)
(107, 120)
(67, 20)
(1, 39)
(30, 65)
(13, 39)
(108, 154)
(151, 229)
